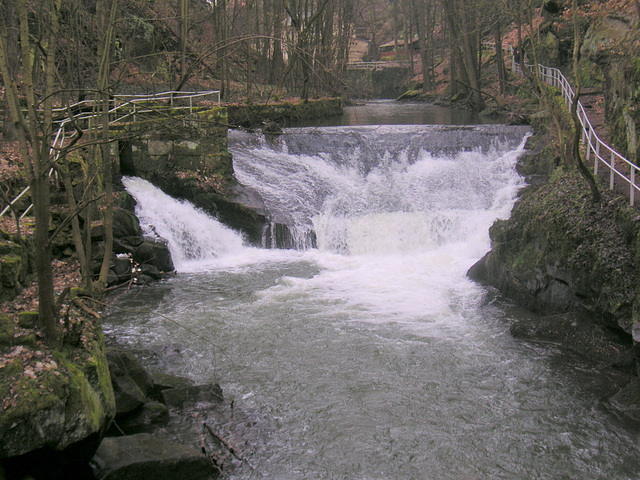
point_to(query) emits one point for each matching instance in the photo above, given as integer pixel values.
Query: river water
(372, 356)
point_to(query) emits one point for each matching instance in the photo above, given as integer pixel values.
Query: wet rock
(581, 335)
(125, 224)
(627, 400)
(181, 396)
(131, 382)
(145, 419)
(127, 244)
(164, 381)
(112, 278)
(154, 253)
(142, 279)
(143, 456)
(122, 267)
(150, 271)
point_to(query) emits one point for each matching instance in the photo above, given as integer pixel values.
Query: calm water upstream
(372, 356)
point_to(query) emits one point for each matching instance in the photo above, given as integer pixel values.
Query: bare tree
(461, 17)
(34, 130)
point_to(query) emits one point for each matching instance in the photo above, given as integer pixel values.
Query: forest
(54, 53)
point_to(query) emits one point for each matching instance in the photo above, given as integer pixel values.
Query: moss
(283, 112)
(28, 319)
(591, 76)
(7, 329)
(557, 230)
(10, 248)
(54, 397)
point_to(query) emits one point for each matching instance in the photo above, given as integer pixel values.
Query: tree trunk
(13, 55)
(107, 22)
(34, 135)
(596, 197)
(502, 73)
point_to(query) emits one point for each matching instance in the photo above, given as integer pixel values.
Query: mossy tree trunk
(596, 197)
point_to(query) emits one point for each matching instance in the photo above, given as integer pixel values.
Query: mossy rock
(54, 398)
(7, 330)
(559, 251)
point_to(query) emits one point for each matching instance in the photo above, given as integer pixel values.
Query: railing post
(589, 144)
(597, 160)
(612, 177)
(632, 186)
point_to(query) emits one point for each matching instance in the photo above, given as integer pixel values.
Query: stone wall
(195, 143)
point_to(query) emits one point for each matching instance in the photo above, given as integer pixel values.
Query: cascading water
(373, 356)
(192, 236)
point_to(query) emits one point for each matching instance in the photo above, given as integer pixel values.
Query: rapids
(372, 356)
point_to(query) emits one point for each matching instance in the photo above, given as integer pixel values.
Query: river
(366, 353)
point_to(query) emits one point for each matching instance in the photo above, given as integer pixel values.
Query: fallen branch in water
(203, 445)
(226, 444)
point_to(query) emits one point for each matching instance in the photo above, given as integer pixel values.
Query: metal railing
(376, 65)
(123, 108)
(618, 166)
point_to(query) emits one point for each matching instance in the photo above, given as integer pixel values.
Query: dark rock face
(144, 456)
(155, 253)
(245, 215)
(179, 396)
(144, 406)
(559, 255)
(125, 224)
(144, 419)
(131, 382)
(130, 247)
(582, 335)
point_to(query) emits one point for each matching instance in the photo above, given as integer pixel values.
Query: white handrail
(603, 153)
(128, 102)
(376, 65)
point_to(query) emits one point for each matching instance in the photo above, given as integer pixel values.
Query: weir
(373, 355)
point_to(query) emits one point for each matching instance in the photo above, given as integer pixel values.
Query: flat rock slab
(144, 457)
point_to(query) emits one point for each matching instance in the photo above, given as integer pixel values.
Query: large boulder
(125, 224)
(560, 253)
(53, 401)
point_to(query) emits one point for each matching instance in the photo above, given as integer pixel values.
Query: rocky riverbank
(572, 262)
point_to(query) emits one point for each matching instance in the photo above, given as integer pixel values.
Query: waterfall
(192, 235)
(384, 189)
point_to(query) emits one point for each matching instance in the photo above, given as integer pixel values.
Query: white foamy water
(192, 235)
